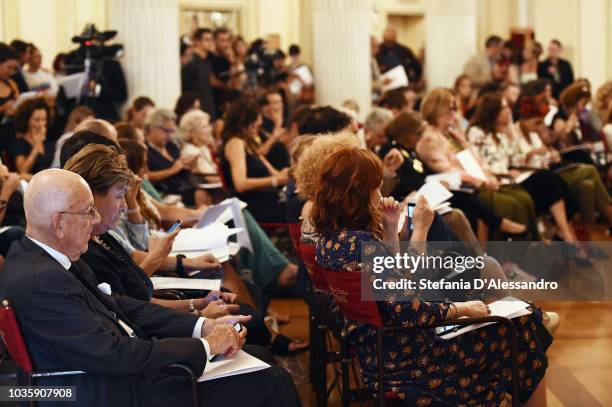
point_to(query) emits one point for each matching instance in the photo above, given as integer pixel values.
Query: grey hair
(190, 122)
(157, 117)
(378, 118)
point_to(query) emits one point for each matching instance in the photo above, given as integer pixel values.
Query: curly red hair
(342, 199)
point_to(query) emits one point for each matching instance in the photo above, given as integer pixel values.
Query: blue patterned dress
(425, 370)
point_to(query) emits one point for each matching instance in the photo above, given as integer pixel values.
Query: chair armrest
(169, 294)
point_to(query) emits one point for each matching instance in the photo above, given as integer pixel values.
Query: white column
(341, 49)
(522, 19)
(451, 33)
(149, 31)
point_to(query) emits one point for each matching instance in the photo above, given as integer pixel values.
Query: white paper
(211, 185)
(434, 192)
(241, 363)
(397, 77)
(72, 84)
(223, 212)
(453, 179)
(470, 164)
(175, 283)
(523, 176)
(508, 307)
(222, 253)
(192, 239)
(303, 72)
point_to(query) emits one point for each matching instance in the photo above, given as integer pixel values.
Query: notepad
(241, 363)
(176, 283)
(452, 179)
(397, 78)
(508, 307)
(434, 192)
(470, 164)
(207, 238)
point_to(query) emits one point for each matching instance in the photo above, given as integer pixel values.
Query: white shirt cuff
(197, 333)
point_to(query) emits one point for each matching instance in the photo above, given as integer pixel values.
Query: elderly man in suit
(121, 343)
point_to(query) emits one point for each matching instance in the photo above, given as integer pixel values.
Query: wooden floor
(580, 358)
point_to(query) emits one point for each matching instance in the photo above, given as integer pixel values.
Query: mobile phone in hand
(175, 226)
(410, 212)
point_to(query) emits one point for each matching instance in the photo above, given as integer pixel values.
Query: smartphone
(441, 330)
(173, 227)
(410, 212)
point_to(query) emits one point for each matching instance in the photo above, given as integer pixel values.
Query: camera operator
(106, 87)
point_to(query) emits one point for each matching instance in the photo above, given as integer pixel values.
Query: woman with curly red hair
(422, 368)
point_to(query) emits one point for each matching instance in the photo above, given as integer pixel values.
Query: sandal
(280, 347)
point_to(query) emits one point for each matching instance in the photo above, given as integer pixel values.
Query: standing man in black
(556, 69)
(196, 75)
(71, 321)
(221, 65)
(391, 54)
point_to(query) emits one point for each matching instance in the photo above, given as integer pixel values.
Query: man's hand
(224, 339)
(218, 309)
(214, 295)
(209, 324)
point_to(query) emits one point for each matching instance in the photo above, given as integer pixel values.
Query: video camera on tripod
(100, 83)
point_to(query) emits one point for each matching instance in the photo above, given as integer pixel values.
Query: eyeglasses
(167, 130)
(91, 212)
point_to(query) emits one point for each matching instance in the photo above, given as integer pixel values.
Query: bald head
(390, 35)
(49, 192)
(98, 126)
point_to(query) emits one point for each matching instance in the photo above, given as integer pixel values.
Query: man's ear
(57, 225)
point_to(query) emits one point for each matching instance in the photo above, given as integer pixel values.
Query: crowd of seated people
(528, 125)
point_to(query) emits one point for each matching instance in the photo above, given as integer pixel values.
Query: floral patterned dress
(425, 370)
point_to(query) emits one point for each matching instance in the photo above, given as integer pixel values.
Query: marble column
(451, 35)
(149, 31)
(341, 51)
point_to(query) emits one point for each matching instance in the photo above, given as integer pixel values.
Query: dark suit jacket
(566, 75)
(68, 323)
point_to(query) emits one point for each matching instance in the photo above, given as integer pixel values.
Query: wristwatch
(191, 305)
(179, 265)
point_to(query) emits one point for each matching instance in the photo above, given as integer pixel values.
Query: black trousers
(268, 387)
(475, 210)
(546, 187)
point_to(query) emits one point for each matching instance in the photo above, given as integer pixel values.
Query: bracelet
(191, 305)
(274, 181)
(133, 210)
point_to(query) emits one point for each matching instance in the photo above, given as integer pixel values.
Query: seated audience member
(395, 101)
(246, 172)
(75, 118)
(374, 127)
(602, 106)
(187, 102)
(121, 343)
(9, 185)
(437, 149)
(32, 151)
(106, 171)
(346, 214)
(127, 131)
(273, 131)
(9, 92)
(80, 140)
(588, 191)
(488, 137)
(482, 68)
(136, 114)
(38, 78)
(269, 267)
(465, 96)
(568, 126)
(325, 119)
(404, 133)
(168, 170)
(195, 131)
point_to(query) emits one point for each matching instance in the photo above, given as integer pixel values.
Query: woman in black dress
(32, 151)
(247, 173)
(9, 63)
